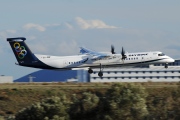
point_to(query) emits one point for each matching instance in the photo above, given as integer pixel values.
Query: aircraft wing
(93, 53)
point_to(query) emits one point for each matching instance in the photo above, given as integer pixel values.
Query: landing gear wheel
(90, 71)
(166, 65)
(100, 74)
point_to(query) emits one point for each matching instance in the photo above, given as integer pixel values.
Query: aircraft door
(145, 58)
(142, 59)
(65, 63)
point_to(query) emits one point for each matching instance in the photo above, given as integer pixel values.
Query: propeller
(112, 49)
(123, 54)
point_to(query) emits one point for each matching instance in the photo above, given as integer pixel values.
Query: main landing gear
(90, 71)
(100, 74)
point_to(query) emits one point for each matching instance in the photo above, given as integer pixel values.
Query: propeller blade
(123, 54)
(112, 49)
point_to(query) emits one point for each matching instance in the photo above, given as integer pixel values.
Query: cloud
(11, 31)
(65, 38)
(67, 25)
(91, 24)
(34, 26)
(3, 35)
(80, 23)
(63, 26)
(39, 48)
(77, 23)
(54, 47)
(65, 48)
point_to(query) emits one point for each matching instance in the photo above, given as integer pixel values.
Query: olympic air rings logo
(21, 51)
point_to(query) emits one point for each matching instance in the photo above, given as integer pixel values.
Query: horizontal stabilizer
(16, 39)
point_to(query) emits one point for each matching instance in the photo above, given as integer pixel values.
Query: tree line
(120, 102)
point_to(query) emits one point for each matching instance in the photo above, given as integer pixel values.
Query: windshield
(161, 54)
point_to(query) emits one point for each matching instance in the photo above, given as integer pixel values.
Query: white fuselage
(114, 60)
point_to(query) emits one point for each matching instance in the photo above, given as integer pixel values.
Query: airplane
(87, 59)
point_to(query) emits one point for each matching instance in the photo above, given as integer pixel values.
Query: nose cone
(171, 60)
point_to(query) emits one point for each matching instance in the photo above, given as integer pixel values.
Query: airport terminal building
(153, 73)
(6, 79)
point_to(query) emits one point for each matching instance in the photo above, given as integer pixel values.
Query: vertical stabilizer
(21, 50)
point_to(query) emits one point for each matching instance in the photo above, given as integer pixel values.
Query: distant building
(56, 76)
(83, 76)
(31, 78)
(6, 79)
(72, 80)
(154, 73)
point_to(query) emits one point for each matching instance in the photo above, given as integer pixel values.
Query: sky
(60, 27)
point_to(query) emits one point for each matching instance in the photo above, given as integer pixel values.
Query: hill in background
(49, 76)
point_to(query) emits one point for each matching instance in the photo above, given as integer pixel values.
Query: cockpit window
(161, 54)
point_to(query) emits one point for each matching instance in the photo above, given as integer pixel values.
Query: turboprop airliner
(87, 59)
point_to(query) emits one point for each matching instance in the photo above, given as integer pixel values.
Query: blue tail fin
(21, 50)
